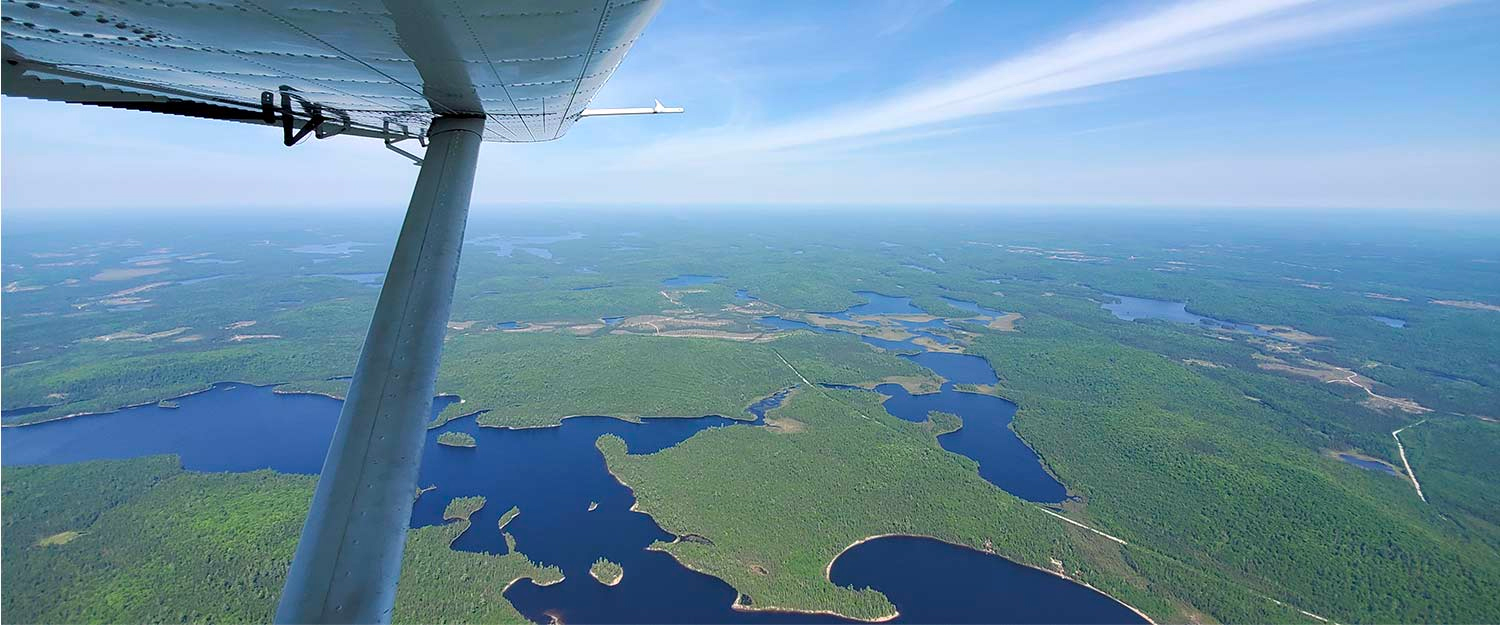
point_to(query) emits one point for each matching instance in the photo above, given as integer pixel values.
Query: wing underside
(382, 68)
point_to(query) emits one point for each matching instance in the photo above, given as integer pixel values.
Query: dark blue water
(1390, 321)
(368, 279)
(508, 325)
(1004, 459)
(690, 279)
(788, 324)
(743, 294)
(1133, 308)
(877, 304)
(609, 321)
(232, 427)
(942, 583)
(1368, 465)
(553, 474)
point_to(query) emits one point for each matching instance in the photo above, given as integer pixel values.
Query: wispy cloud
(1181, 37)
(899, 15)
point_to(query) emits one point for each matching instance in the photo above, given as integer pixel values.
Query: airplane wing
(451, 73)
(368, 67)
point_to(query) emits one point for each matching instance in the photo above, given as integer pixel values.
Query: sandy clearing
(115, 275)
(1389, 298)
(932, 345)
(1291, 334)
(249, 337)
(916, 385)
(1330, 374)
(137, 336)
(60, 538)
(138, 289)
(15, 287)
(1466, 304)
(786, 426)
(1005, 322)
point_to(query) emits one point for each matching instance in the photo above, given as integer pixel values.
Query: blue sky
(1353, 104)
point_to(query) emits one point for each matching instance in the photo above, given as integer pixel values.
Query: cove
(1368, 465)
(1004, 459)
(942, 583)
(551, 474)
(1133, 308)
(986, 438)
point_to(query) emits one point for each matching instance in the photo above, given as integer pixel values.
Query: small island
(608, 573)
(593, 505)
(457, 439)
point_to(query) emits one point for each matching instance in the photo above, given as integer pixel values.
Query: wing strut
(349, 557)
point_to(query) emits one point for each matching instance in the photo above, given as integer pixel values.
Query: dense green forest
(607, 572)
(159, 544)
(531, 380)
(1210, 450)
(856, 472)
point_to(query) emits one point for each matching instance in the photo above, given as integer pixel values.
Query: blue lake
(552, 475)
(690, 279)
(1390, 321)
(506, 245)
(342, 248)
(1368, 465)
(942, 583)
(1004, 459)
(878, 304)
(1133, 308)
(374, 278)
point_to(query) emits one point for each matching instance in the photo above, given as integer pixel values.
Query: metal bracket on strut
(390, 144)
(316, 125)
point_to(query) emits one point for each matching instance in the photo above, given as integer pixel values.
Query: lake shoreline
(828, 570)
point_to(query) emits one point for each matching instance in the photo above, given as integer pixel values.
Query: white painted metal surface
(530, 67)
(349, 558)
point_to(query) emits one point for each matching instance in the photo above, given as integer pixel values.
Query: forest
(1211, 450)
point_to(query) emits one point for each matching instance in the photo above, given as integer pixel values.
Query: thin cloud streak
(1183, 37)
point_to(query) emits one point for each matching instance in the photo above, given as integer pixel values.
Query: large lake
(1133, 308)
(1004, 459)
(554, 474)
